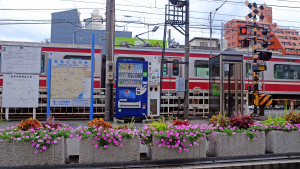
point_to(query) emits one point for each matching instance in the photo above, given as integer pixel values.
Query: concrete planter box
(23, 154)
(129, 152)
(72, 146)
(223, 145)
(164, 153)
(283, 142)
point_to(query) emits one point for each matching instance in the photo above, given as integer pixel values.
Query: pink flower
(33, 144)
(96, 145)
(55, 141)
(44, 147)
(121, 145)
(159, 145)
(79, 138)
(38, 145)
(48, 141)
(41, 150)
(168, 146)
(18, 138)
(105, 146)
(36, 151)
(91, 143)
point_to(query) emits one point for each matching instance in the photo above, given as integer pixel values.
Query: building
(201, 43)
(66, 28)
(281, 39)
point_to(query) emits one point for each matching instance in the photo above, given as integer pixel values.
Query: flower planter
(129, 152)
(164, 153)
(238, 144)
(23, 154)
(283, 142)
(72, 146)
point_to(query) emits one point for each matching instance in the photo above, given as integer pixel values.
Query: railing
(170, 105)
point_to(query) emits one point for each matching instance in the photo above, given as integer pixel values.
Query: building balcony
(201, 48)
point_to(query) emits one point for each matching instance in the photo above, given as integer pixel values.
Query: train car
(61, 51)
(281, 79)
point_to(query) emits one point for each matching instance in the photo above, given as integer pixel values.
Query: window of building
(248, 70)
(131, 58)
(297, 50)
(42, 63)
(279, 50)
(231, 23)
(286, 71)
(296, 33)
(233, 37)
(289, 50)
(229, 45)
(229, 38)
(285, 43)
(281, 37)
(165, 69)
(175, 67)
(201, 68)
(276, 31)
(233, 43)
(205, 44)
(294, 44)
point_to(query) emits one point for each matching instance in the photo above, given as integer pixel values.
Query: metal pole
(108, 50)
(6, 113)
(210, 33)
(34, 113)
(255, 63)
(169, 40)
(186, 66)
(222, 31)
(148, 32)
(48, 88)
(92, 77)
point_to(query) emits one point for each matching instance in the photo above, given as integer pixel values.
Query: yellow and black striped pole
(255, 79)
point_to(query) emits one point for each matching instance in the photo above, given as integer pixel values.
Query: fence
(170, 105)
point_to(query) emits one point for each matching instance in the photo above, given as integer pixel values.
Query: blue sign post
(92, 78)
(48, 88)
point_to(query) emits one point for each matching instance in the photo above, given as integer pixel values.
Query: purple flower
(79, 138)
(18, 138)
(105, 146)
(44, 147)
(55, 141)
(48, 141)
(38, 145)
(96, 145)
(121, 145)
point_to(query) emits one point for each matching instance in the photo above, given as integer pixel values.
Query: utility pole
(186, 59)
(210, 33)
(222, 31)
(109, 48)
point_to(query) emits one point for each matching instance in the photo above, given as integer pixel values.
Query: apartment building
(281, 39)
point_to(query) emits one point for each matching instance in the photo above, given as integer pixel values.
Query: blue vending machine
(131, 89)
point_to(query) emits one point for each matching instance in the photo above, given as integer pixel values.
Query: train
(281, 80)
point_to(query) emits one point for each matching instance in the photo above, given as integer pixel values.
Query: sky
(18, 23)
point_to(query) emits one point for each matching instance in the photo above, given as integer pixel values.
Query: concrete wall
(283, 142)
(22, 153)
(129, 152)
(196, 42)
(164, 153)
(223, 145)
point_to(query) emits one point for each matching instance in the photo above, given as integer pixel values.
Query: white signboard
(21, 59)
(70, 83)
(20, 90)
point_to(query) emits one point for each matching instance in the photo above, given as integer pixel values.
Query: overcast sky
(285, 13)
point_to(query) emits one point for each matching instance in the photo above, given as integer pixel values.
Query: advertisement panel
(137, 42)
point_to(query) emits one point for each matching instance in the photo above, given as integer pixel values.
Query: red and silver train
(281, 80)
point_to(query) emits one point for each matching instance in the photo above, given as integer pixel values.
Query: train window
(286, 71)
(165, 70)
(43, 63)
(201, 68)
(248, 70)
(77, 57)
(131, 59)
(175, 67)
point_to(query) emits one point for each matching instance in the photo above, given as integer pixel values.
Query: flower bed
(281, 135)
(174, 140)
(31, 144)
(222, 144)
(98, 145)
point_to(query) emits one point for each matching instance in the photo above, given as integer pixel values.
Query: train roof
(54, 45)
(243, 52)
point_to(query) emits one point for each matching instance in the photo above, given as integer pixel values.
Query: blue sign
(69, 102)
(127, 93)
(71, 63)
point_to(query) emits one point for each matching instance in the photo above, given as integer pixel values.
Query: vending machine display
(131, 89)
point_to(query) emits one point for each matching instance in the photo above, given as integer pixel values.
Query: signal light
(264, 44)
(265, 55)
(243, 30)
(245, 43)
(265, 31)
